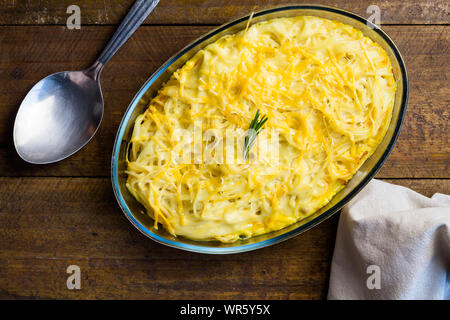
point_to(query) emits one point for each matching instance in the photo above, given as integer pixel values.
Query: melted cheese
(328, 92)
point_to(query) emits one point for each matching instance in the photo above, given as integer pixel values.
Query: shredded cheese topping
(328, 92)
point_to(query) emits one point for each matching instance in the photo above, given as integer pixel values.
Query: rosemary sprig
(256, 126)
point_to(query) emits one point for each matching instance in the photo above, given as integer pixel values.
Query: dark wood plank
(423, 150)
(427, 187)
(47, 224)
(208, 12)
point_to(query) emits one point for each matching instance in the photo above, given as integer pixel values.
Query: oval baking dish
(136, 213)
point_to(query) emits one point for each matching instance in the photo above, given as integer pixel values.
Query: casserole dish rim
(199, 248)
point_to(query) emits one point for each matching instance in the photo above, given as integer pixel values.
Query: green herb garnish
(256, 126)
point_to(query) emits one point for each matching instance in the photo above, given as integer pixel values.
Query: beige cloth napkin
(392, 243)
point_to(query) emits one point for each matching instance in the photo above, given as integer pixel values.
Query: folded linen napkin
(392, 243)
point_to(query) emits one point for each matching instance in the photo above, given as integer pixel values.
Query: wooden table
(56, 215)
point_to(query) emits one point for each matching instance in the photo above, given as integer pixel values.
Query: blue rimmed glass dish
(134, 211)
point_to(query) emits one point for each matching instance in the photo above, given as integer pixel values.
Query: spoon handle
(137, 14)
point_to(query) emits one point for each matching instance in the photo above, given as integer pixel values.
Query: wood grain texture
(209, 12)
(423, 149)
(47, 224)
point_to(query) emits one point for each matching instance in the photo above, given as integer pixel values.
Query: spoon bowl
(59, 115)
(63, 111)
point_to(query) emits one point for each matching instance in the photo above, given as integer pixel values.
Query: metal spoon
(62, 112)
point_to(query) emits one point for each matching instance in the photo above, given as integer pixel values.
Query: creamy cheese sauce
(328, 92)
